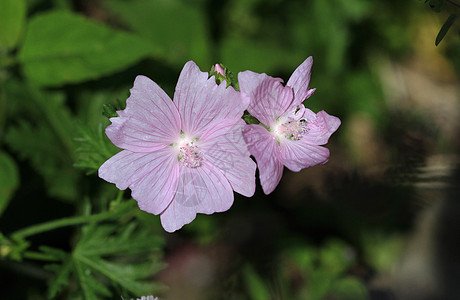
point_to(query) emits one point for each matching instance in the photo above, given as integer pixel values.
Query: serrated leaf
(445, 28)
(37, 144)
(90, 286)
(176, 29)
(102, 255)
(61, 278)
(12, 14)
(94, 148)
(9, 180)
(62, 47)
(44, 136)
(127, 241)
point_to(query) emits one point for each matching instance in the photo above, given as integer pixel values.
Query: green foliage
(124, 255)
(67, 66)
(381, 250)
(44, 137)
(94, 149)
(324, 272)
(12, 13)
(445, 28)
(438, 6)
(177, 30)
(255, 285)
(12, 249)
(9, 179)
(77, 50)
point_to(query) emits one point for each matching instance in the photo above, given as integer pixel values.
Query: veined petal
(223, 145)
(300, 82)
(320, 127)
(269, 98)
(149, 122)
(201, 102)
(200, 190)
(152, 177)
(265, 149)
(298, 155)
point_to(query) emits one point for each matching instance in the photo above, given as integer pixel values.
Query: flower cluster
(188, 155)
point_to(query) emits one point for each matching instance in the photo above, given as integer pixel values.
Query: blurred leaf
(381, 251)
(12, 14)
(255, 285)
(109, 256)
(61, 279)
(336, 257)
(349, 288)
(445, 28)
(43, 136)
(240, 54)
(177, 31)
(95, 148)
(9, 180)
(100, 241)
(62, 47)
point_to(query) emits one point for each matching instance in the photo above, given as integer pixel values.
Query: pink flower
(290, 134)
(185, 156)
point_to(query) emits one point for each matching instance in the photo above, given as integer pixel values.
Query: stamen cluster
(293, 130)
(189, 155)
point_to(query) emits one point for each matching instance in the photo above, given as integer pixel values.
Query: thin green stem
(35, 229)
(39, 256)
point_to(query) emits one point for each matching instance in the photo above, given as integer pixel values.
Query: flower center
(293, 130)
(189, 153)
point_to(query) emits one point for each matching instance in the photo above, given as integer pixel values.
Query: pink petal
(150, 120)
(224, 147)
(269, 98)
(300, 82)
(265, 149)
(320, 127)
(201, 101)
(298, 155)
(152, 177)
(200, 190)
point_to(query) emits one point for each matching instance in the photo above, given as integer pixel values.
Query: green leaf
(9, 180)
(335, 257)
(255, 285)
(90, 286)
(61, 47)
(349, 288)
(42, 149)
(44, 136)
(61, 278)
(177, 30)
(95, 148)
(106, 258)
(101, 242)
(12, 14)
(445, 28)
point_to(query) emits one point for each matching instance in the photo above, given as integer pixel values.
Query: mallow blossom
(289, 134)
(185, 156)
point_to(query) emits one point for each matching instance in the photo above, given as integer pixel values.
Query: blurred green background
(381, 220)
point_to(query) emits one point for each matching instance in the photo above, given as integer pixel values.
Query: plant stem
(35, 229)
(39, 256)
